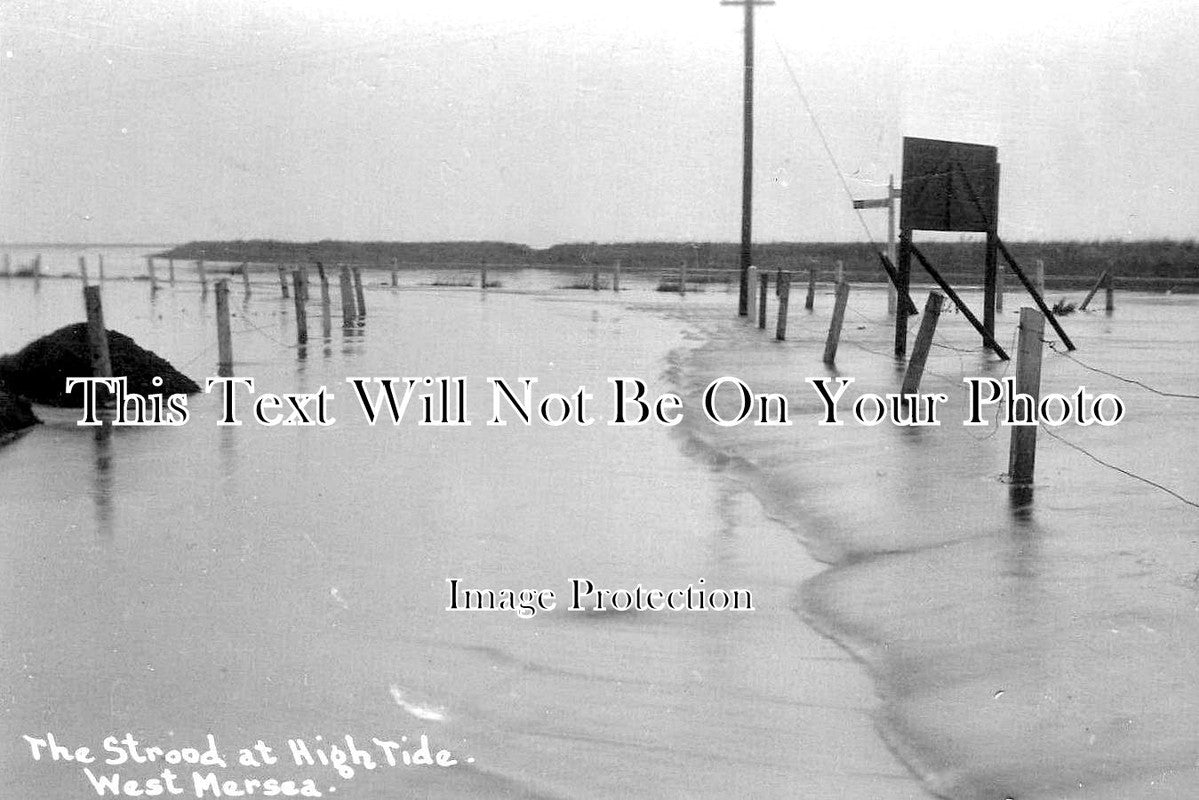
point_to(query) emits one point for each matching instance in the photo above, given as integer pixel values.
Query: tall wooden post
(1023, 451)
(359, 297)
(224, 337)
(97, 334)
(282, 280)
(348, 313)
(1000, 279)
(836, 323)
(892, 196)
(301, 309)
(990, 282)
(924, 342)
(752, 316)
(1109, 304)
(763, 287)
(904, 273)
(784, 290)
(810, 301)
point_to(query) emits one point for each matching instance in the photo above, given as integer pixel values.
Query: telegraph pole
(747, 158)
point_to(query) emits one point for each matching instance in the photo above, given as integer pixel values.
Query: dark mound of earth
(39, 371)
(15, 415)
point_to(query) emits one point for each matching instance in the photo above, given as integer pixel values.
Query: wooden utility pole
(888, 202)
(747, 157)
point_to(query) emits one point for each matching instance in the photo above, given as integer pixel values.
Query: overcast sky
(543, 122)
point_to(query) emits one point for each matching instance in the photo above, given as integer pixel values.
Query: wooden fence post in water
(97, 334)
(303, 281)
(395, 272)
(683, 277)
(348, 314)
(359, 297)
(763, 287)
(482, 273)
(1000, 275)
(301, 311)
(924, 342)
(1040, 279)
(83, 269)
(100, 267)
(1023, 453)
(203, 273)
(784, 292)
(171, 270)
(320, 271)
(1086, 301)
(1109, 304)
(153, 275)
(224, 337)
(751, 280)
(616, 276)
(245, 276)
(836, 323)
(810, 300)
(595, 277)
(282, 279)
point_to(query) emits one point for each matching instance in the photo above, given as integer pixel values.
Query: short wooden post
(100, 267)
(301, 310)
(784, 290)
(616, 276)
(763, 286)
(395, 272)
(1040, 279)
(751, 281)
(483, 273)
(153, 275)
(1023, 452)
(224, 338)
(203, 273)
(348, 313)
(683, 277)
(924, 342)
(37, 266)
(97, 334)
(83, 269)
(359, 297)
(245, 276)
(836, 323)
(1109, 301)
(1000, 276)
(171, 270)
(810, 300)
(282, 280)
(595, 277)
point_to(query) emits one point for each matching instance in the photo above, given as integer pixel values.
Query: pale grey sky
(541, 122)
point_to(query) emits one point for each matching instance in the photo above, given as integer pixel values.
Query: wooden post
(483, 273)
(1040, 280)
(810, 300)
(395, 274)
(903, 276)
(784, 290)
(245, 276)
(203, 273)
(97, 334)
(100, 267)
(303, 270)
(616, 276)
(37, 266)
(1103, 281)
(924, 342)
(224, 338)
(990, 279)
(359, 297)
(763, 286)
(988, 339)
(752, 308)
(1000, 278)
(320, 270)
(1109, 304)
(836, 323)
(171, 270)
(840, 273)
(892, 196)
(282, 280)
(1023, 452)
(1037, 298)
(683, 281)
(595, 277)
(301, 311)
(83, 269)
(153, 276)
(348, 313)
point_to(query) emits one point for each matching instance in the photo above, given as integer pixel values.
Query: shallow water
(1022, 649)
(266, 583)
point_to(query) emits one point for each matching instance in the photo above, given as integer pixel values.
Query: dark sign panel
(949, 186)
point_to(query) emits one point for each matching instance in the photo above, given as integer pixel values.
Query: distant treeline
(1148, 263)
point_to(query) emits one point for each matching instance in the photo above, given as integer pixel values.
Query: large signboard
(949, 186)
